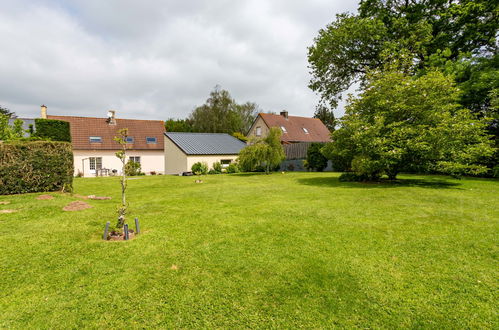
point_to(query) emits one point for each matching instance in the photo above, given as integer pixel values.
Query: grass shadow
(434, 183)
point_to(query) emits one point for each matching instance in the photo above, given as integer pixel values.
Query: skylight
(284, 129)
(305, 130)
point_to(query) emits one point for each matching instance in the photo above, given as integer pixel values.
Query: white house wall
(150, 160)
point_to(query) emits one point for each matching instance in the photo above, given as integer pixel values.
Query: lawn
(280, 250)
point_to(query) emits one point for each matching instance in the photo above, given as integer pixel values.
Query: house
(182, 150)
(294, 129)
(298, 133)
(94, 148)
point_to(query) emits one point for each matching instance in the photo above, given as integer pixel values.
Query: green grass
(293, 250)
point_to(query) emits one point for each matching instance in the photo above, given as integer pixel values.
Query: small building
(182, 150)
(95, 150)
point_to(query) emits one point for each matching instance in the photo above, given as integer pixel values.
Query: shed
(182, 150)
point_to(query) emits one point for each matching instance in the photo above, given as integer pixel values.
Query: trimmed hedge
(35, 166)
(55, 130)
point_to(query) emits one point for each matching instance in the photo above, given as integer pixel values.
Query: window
(284, 129)
(135, 159)
(95, 139)
(225, 162)
(151, 140)
(129, 139)
(305, 130)
(95, 163)
(258, 131)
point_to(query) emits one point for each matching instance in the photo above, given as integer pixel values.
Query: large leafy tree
(222, 114)
(352, 45)
(401, 121)
(178, 125)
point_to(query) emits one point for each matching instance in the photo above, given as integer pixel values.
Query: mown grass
(292, 250)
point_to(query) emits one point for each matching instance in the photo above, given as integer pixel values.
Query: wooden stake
(104, 237)
(125, 227)
(137, 226)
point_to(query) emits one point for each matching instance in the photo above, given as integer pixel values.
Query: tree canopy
(401, 122)
(263, 154)
(222, 114)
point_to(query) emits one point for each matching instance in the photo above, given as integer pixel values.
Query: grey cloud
(157, 58)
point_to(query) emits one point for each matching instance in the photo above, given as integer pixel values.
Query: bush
(132, 168)
(55, 130)
(232, 168)
(199, 168)
(35, 166)
(212, 171)
(217, 167)
(350, 177)
(316, 161)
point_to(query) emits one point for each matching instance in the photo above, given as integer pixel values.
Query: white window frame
(95, 163)
(95, 139)
(258, 131)
(225, 162)
(305, 130)
(135, 159)
(132, 140)
(283, 129)
(151, 142)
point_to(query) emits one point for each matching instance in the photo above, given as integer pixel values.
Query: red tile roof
(82, 128)
(317, 131)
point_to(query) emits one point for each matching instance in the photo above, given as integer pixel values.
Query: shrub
(350, 177)
(132, 168)
(315, 159)
(212, 171)
(55, 130)
(240, 136)
(199, 168)
(217, 167)
(232, 168)
(152, 173)
(35, 166)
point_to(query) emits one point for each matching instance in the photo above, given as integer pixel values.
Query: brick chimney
(43, 111)
(284, 113)
(111, 117)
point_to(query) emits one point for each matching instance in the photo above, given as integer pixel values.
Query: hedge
(55, 130)
(35, 166)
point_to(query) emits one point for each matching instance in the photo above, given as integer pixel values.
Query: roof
(82, 128)
(317, 131)
(206, 143)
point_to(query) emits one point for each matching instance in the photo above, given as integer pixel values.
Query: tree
(326, 116)
(352, 45)
(122, 209)
(8, 132)
(266, 153)
(7, 112)
(178, 125)
(315, 159)
(401, 121)
(221, 114)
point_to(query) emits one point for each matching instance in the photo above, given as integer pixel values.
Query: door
(95, 164)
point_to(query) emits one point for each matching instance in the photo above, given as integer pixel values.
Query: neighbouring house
(94, 148)
(182, 150)
(298, 133)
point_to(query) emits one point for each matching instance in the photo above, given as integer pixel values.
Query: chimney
(111, 120)
(43, 111)
(284, 113)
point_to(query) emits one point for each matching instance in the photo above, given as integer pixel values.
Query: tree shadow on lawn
(435, 183)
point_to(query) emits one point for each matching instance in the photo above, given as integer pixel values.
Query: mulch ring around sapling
(77, 206)
(7, 211)
(120, 236)
(4, 202)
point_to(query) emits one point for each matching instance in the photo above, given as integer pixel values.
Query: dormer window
(95, 139)
(283, 129)
(129, 139)
(305, 130)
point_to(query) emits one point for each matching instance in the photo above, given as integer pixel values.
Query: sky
(158, 59)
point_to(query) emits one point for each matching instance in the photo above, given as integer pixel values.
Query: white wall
(208, 159)
(150, 160)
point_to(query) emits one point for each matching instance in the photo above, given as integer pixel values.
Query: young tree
(122, 209)
(266, 153)
(7, 112)
(401, 121)
(326, 116)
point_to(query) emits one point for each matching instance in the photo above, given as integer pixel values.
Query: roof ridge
(103, 118)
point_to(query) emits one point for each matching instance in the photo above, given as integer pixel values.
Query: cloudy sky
(157, 58)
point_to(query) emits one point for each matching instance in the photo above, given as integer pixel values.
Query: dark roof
(206, 143)
(82, 128)
(317, 131)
